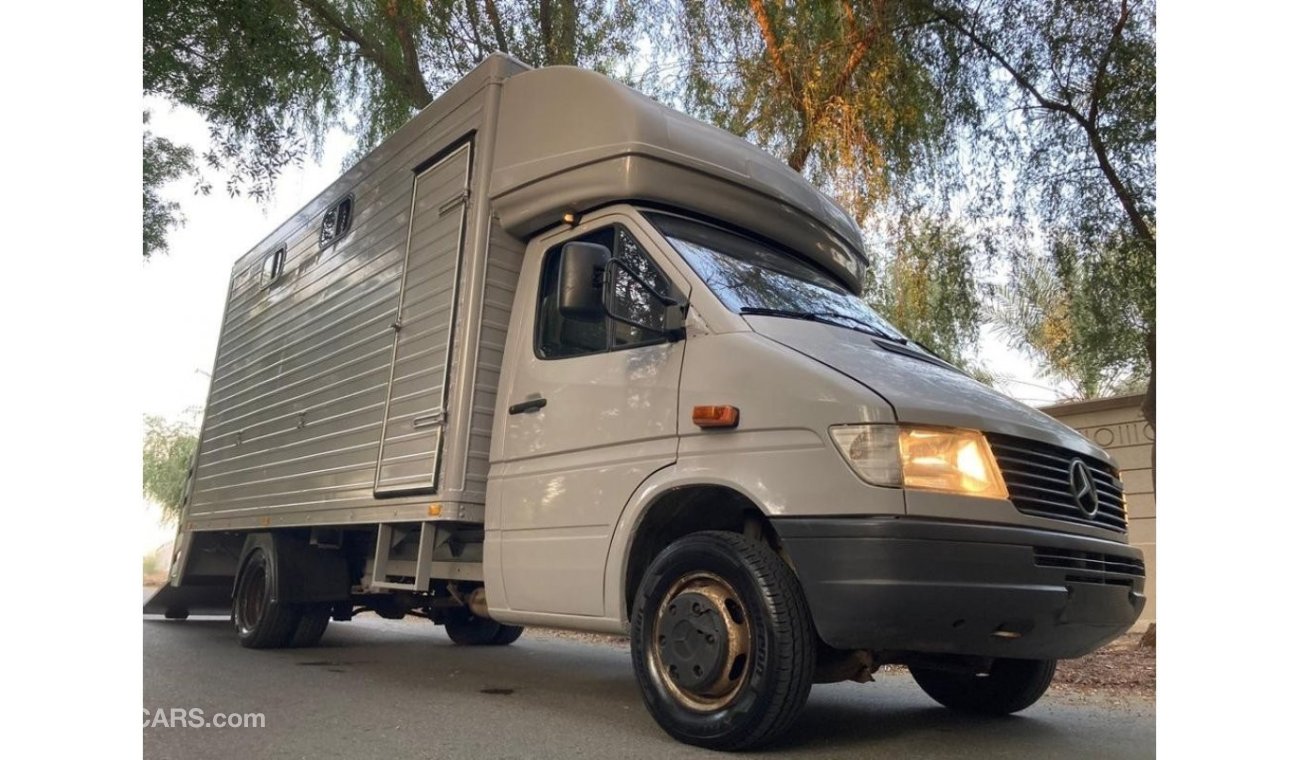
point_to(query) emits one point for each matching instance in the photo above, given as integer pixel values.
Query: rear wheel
(260, 622)
(467, 629)
(311, 626)
(722, 642)
(1010, 686)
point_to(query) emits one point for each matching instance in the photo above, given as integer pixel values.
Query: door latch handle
(530, 405)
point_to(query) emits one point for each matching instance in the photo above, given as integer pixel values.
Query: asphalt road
(399, 689)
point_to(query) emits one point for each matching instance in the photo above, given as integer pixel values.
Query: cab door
(590, 412)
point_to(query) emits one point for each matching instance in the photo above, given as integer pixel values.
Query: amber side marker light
(715, 416)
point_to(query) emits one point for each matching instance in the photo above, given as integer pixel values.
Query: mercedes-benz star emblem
(1083, 489)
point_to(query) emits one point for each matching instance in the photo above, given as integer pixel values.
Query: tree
(164, 162)
(1051, 105)
(273, 77)
(828, 88)
(1061, 311)
(1028, 122)
(168, 452)
(927, 286)
(822, 85)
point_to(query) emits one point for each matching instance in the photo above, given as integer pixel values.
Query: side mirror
(582, 280)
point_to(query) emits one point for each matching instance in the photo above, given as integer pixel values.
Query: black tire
(466, 629)
(1010, 686)
(259, 622)
(743, 697)
(311, 626)
(508, 635)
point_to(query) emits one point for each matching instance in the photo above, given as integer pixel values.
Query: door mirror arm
(587, 290)
(675, 308)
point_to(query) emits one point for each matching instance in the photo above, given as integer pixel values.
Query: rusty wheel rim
(701, 643)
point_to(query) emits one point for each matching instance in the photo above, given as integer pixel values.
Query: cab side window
(558, 337)
(634, 302)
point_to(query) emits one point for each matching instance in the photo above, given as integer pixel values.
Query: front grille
(1038, 479)
(1091, 567)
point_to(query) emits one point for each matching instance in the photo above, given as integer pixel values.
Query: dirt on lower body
(1121, 668)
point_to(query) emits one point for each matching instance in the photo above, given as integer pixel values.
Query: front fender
(784, 473)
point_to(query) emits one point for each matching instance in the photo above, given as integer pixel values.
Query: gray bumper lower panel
(962, 588)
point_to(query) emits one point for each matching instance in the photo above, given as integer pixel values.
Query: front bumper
(907, 585)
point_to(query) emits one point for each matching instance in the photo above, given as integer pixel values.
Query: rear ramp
(213, 599)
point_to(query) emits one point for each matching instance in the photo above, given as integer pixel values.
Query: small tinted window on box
(337, 221)
(273, 266)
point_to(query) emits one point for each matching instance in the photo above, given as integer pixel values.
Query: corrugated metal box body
(295, 421)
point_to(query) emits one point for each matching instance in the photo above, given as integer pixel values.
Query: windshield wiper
(826, 318)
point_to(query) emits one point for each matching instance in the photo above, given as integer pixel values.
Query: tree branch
(1094, 101)
(774, 54)
(326, 14)
(949, 18)
(861, 44)
(1138, 222)
(410, 55)
(544, 26)
(471, 10)
(567, 53)
(1122, 193)
(494, 16)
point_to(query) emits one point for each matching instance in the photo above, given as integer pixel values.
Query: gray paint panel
(414, 418)
(296, 409)
(505, 259)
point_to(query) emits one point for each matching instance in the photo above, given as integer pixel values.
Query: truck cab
(693, 378)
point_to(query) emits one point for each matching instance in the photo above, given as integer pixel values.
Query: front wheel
(722, 642)
(1010, 686)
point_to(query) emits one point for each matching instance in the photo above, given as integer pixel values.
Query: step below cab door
(590, 411)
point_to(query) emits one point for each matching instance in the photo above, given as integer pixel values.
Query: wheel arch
(304, 574)
(663, 511)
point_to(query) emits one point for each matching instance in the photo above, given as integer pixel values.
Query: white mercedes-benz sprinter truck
(555, 354)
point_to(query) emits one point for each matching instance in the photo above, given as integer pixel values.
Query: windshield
(751, 277)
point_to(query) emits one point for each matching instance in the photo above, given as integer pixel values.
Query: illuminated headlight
(921, 458)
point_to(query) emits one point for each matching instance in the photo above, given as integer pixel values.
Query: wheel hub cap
(702, 642)
(694, 646)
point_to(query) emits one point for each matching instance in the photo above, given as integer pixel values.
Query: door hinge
(428, 420)
(462, 198)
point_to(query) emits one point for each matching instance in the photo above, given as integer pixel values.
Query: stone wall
(1116, 424)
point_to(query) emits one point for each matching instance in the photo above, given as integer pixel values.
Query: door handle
(530, 405)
